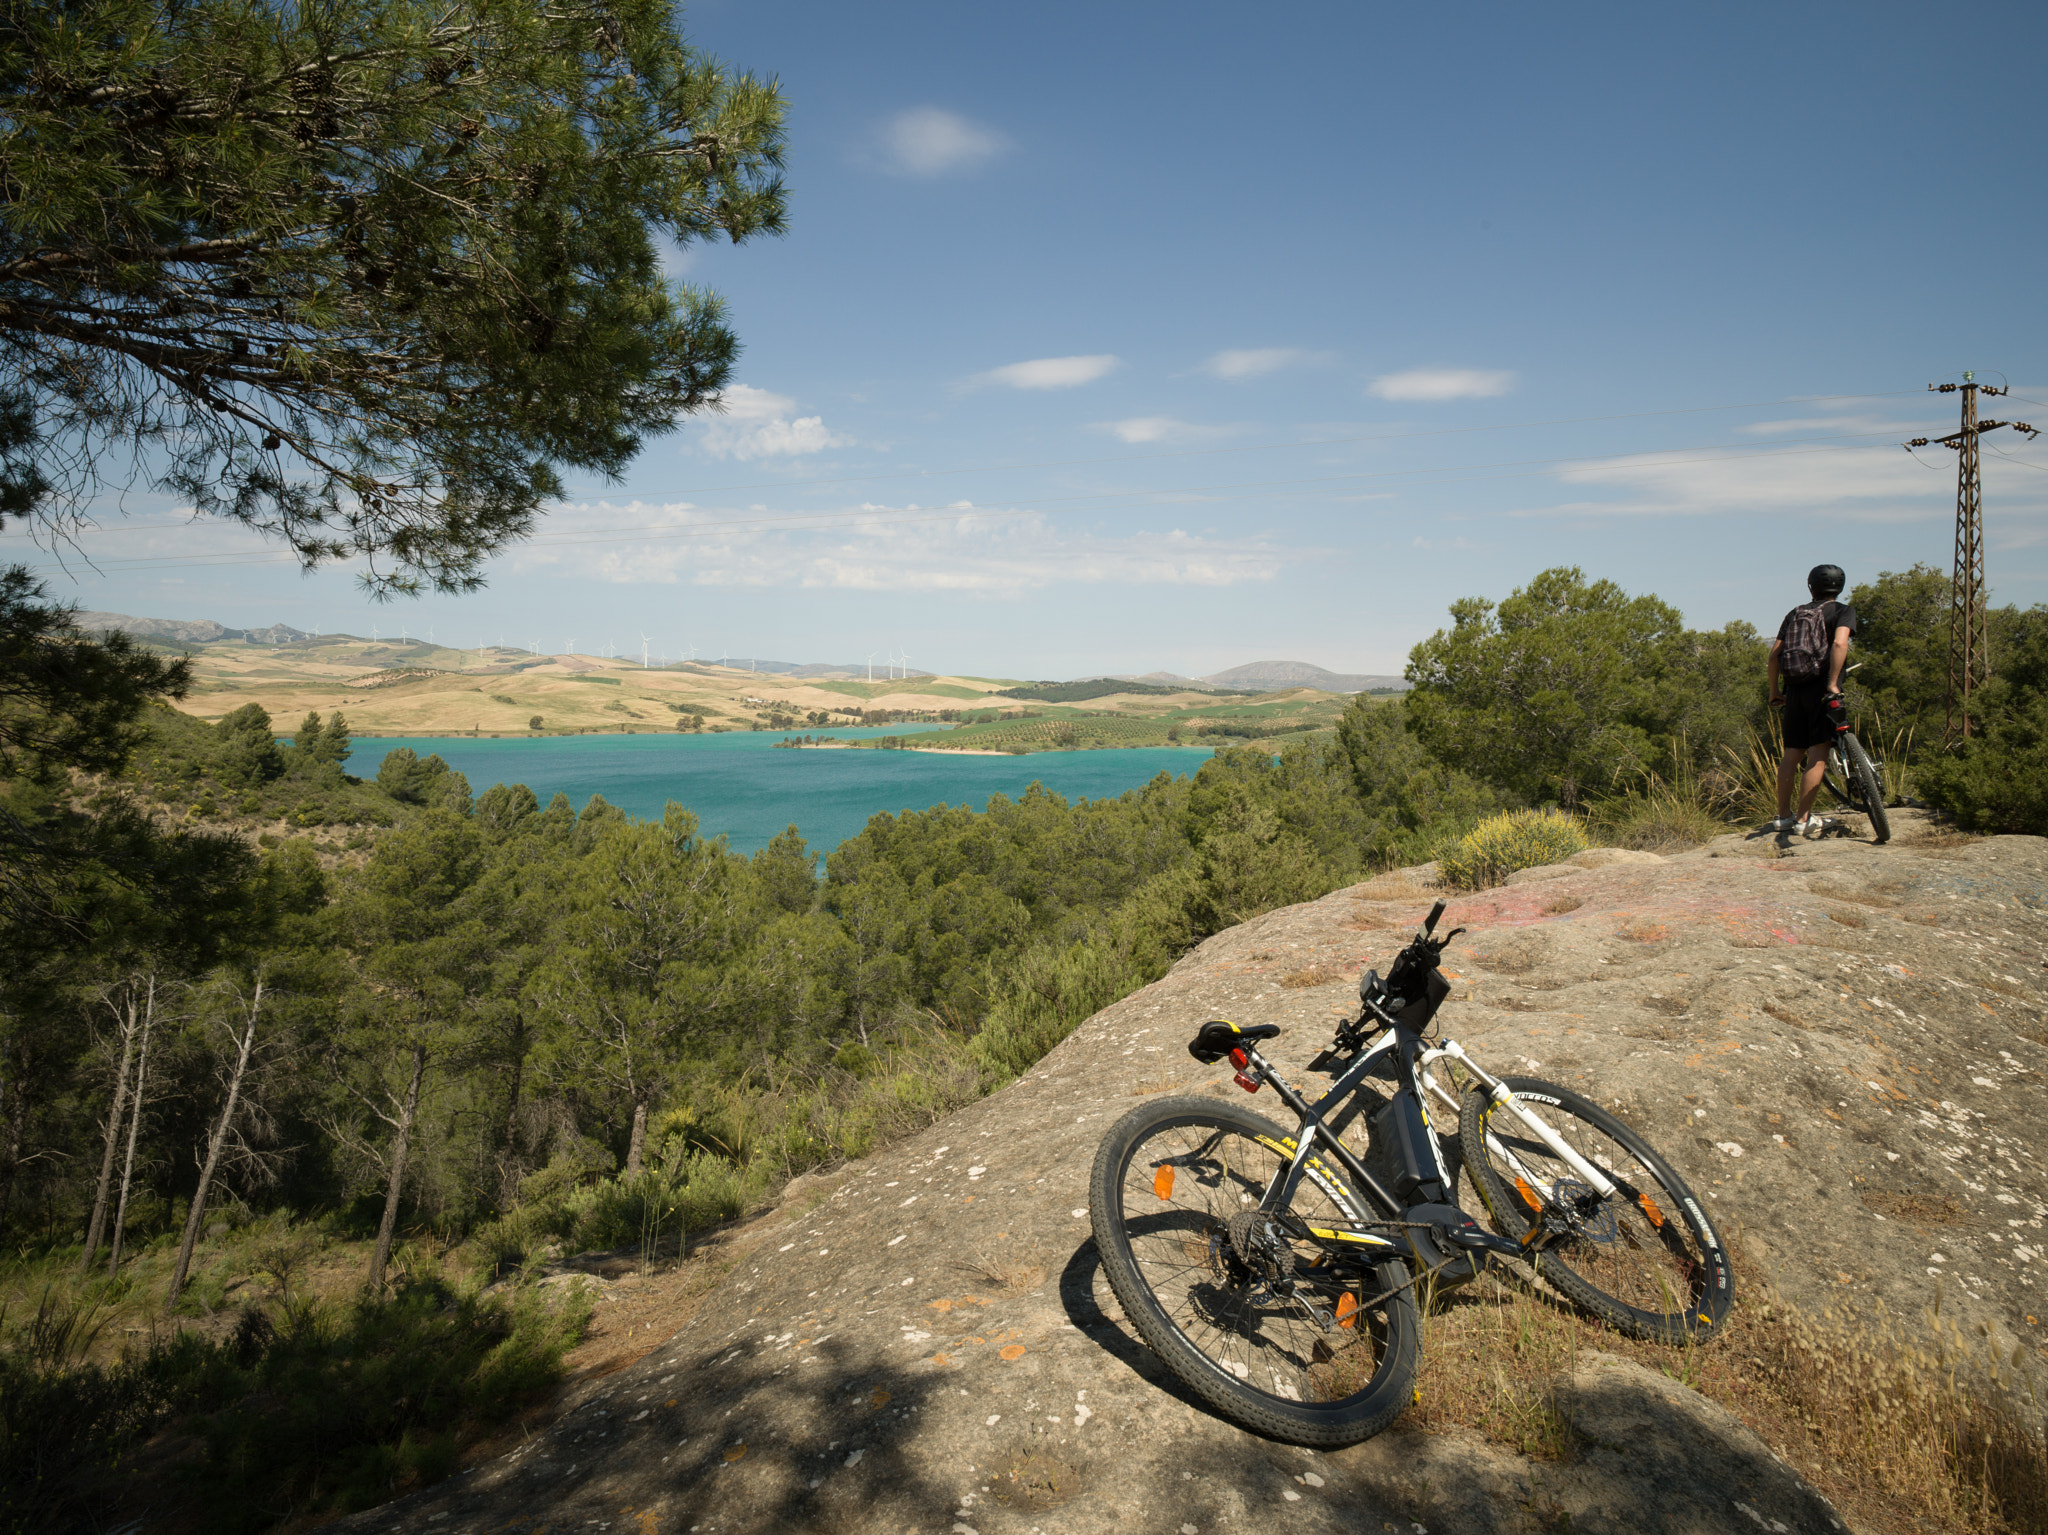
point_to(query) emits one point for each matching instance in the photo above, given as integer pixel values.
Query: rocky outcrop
(1841, 1046)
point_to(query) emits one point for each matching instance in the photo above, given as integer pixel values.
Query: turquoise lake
(742, 785)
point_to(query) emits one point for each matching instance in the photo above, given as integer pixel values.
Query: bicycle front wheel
(1644, 1259)
(1864, 785)
(1258, 1316)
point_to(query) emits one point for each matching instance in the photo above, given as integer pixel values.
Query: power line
(827, 522)
(1268, 447)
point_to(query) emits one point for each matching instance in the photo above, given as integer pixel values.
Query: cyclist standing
(1806, 679)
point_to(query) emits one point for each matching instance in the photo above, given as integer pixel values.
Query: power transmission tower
(1969, 641)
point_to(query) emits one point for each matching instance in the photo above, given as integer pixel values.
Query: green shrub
(856, 1060)
(1996, 782)
(1043, 994)
(655, 1209)
(1499, 845)
(324, 1408)
(347, 1406)
(574, 1162)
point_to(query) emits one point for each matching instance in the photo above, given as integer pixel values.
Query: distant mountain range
(856, 669)
(1273, 676)
(1257, 677)
(194, 631)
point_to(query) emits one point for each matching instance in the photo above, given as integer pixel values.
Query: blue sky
(1134, 336)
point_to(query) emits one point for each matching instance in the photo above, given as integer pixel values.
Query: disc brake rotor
(1590, 1217)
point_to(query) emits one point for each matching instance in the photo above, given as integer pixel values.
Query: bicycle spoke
(1272, 1341)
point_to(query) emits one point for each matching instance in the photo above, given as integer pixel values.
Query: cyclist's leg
(1809, 787)
(1788, 778)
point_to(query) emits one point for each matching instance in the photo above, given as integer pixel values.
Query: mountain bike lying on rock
(1276, 1274)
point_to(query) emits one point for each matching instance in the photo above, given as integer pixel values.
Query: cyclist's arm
(1772, 678)
(1838, 653)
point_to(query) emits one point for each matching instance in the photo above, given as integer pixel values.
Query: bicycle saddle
(1219, 1037)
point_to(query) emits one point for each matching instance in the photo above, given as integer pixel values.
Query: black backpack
(1803, 655)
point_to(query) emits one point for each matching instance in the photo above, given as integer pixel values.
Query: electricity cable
(854, 521)
(1268, 447)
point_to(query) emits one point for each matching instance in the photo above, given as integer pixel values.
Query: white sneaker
(1817, 826)
(1782, 823)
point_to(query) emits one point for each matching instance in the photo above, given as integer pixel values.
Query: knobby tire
(1167, 1176)
(1646, 1261)
(1864, 781)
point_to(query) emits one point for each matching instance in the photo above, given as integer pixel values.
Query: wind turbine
(572, 644)
(871, 666)
(643, 652)
(905, 660)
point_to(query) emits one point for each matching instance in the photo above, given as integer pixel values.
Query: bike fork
(1499, 1092)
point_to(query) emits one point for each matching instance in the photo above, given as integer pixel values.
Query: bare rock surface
(1840, 1046)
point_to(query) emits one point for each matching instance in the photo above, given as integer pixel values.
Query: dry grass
(1314, 975)
(1490, 1361)
(1922, 1210)
(1903, 1429)
(1754, 793)
(1391, 887)
(995, 1274)
(1945, 838)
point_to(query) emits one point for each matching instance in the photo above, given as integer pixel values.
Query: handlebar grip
(1429, 922)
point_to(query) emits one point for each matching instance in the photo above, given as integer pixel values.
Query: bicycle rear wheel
(1865, 787)
(1645, 1260)
(1265, 1324)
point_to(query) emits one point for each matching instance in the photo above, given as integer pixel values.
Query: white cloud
(1443, 384)
(1160, 429)
(1048, 372)
(1826, 424)
(1871, 485)
(758, 424)
(1255, 362)
(957, 548)
(930, 141)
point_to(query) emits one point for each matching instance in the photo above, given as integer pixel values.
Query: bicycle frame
(1415, 1060)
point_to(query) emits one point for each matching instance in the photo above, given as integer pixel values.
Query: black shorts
(1806, 716)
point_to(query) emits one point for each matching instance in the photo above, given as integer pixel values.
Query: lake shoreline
(747, 787)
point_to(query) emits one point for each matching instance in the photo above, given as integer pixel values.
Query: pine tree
(362, 276)
(335, 742)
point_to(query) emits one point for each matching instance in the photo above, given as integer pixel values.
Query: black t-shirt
(1833, 616)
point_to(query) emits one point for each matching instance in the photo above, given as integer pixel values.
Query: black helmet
(1826, 580)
